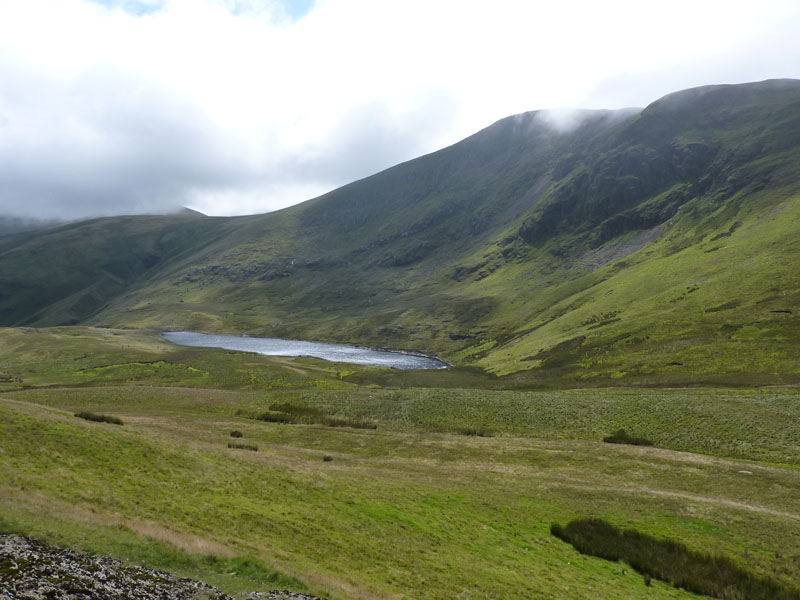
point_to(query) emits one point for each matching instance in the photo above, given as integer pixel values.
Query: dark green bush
(295, 409)
(621, 437)
(90, 416)
(236, 434)
(478, 431)
(339, 422)
(274, 417)
(670, 561)
(236, 446)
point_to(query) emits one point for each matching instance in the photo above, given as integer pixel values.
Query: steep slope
(65, 274)
(350, 263)
(621, 246)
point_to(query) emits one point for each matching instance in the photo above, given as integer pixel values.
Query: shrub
(478, 431)
(236, 446)
(621, 437)
(90, 416)
(236, 434)
(327, 458)
(339, 422)
(273, 417)
(670, 561)
(295, 409)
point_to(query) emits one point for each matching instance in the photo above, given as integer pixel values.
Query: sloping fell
(62, 275)
(652, 245)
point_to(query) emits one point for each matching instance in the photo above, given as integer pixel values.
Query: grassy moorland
(452, 494)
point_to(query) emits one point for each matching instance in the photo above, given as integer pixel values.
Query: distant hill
(653, 245)
(11, 225)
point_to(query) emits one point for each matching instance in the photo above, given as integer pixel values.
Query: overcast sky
(244, 106)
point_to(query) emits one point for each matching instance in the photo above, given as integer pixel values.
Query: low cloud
(562, 120)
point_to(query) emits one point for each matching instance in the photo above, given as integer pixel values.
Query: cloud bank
(243, 106)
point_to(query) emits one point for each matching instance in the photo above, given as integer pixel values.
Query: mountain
(653, 245)
(12, 225)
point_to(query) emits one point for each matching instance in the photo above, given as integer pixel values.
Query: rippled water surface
(332, 352)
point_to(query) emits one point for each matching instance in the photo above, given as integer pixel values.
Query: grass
(423, 506)
(671, 562)
(752, 424)
(403, 509)
(87, 357)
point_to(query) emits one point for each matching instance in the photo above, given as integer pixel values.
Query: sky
(247, 106)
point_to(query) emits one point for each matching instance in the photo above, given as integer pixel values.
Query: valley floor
(358, 491)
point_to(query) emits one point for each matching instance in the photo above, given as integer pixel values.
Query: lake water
(332, 352)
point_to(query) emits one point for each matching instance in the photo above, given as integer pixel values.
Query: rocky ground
(30, 570)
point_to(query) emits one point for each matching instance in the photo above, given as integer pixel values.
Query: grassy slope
(62, 275)
(725, 305)
(414, 508)
(652, 246)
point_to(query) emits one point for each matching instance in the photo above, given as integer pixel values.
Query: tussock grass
(296, 410)
(240, 446)
(97, 418)
(352, 423)
(670, 561)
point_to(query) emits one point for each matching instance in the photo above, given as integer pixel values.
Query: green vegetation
(239, 446)
(423, 506)
(90, 416)
(670, 561)
(623, 437)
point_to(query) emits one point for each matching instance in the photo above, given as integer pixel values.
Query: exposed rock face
(33, 571)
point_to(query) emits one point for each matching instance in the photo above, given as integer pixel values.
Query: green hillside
(655, 245)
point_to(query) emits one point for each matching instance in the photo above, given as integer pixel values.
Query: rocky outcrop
(30, 570)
